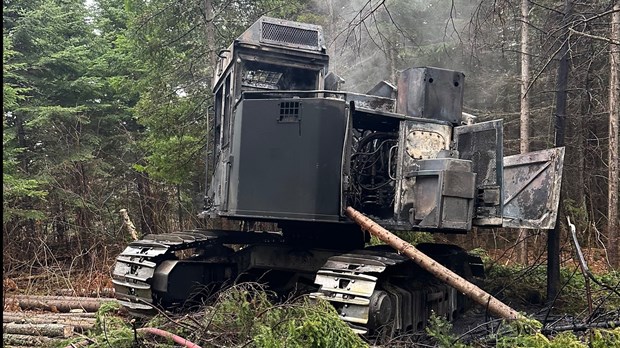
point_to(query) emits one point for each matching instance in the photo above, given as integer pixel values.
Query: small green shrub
(441, 331)
(606, 338)
(246, 315)
(110, 329)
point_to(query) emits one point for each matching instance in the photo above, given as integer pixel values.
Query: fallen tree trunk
(57, 303)
(58, 316)
(47, 329)
(26, 340)
(580, 327)
(442, 273)
(105, 292)
(79, 324)
(58, 298)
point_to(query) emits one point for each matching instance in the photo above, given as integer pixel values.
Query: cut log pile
(56, 303)
(46, 320)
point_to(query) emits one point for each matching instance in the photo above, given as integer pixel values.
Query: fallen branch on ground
(47, 329)
(581, 327)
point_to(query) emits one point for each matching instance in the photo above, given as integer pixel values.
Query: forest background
(106, 105)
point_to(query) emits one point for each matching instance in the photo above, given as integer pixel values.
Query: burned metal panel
(532, 188)
(333, 81)
(431, 93)
(371, 101)
(412, 148)
(271, 70)
(443, 195)
(482, 143)
(383, 89)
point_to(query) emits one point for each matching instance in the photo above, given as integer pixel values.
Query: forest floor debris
(249, 316)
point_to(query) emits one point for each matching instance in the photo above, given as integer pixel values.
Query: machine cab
(269, 118)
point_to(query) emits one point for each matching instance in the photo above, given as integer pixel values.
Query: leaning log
(128, 224)
(26, 340)
(47, 330)
(442, 273)
(57, 303)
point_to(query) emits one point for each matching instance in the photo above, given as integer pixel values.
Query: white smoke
(372, 40)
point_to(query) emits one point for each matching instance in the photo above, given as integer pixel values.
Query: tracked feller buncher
(290, 149)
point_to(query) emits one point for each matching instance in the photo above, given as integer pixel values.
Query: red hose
(177, 339)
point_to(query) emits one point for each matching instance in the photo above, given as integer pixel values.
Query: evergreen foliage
(242, 316)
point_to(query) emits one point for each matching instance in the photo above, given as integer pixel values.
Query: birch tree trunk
(614, 111)
(525, 113)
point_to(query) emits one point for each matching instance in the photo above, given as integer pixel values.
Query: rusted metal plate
(421, 144)
(413, 146)
(532, 184)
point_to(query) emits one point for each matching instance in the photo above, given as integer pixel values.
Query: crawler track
(371, 288)
(374, 289)
(135, 267)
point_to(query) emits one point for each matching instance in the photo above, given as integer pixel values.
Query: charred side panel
(286, 159)
(483, 145)
(417, 141)
(431, 93)
(532, 188)
(443, 194)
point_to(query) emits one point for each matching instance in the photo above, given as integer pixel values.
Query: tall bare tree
(614, 112)
(525, 111)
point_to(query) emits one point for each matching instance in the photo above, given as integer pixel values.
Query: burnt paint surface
(431, 93)
(532, 188)
(481, 143)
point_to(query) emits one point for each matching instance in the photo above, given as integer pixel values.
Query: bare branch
(595, 37)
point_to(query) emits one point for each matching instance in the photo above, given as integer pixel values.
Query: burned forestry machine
(290, 148)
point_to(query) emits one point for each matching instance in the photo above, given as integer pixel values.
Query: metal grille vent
(290, 35)
(289, 112)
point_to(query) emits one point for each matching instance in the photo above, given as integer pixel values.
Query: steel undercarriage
(371, 288)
